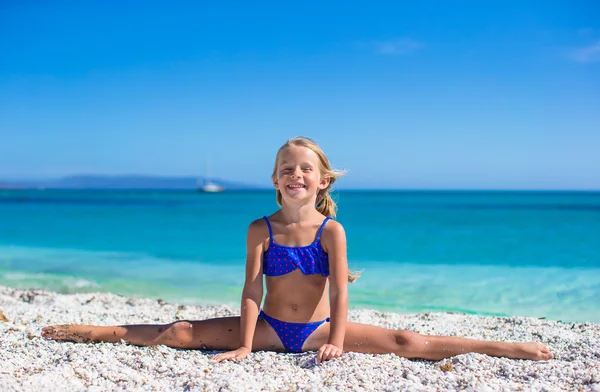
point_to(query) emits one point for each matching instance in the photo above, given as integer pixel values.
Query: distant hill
(121, 182)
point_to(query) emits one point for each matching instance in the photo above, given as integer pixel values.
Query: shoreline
(458, 288)
(30, 362)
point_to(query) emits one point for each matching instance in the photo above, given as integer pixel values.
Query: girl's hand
(327, 352)
(235, 355)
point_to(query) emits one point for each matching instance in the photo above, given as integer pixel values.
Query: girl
(302, 253)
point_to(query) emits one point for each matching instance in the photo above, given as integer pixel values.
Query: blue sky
(442, 95)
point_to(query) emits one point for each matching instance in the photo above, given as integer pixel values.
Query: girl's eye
(306, 169)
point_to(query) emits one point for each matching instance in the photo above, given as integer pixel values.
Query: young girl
(301, 253)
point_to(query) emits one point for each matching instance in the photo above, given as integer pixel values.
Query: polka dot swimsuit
(281, 260)
(292, 335)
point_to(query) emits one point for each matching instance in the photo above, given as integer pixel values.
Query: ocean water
(495, 253)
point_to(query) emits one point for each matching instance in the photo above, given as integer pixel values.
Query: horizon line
(267, 189)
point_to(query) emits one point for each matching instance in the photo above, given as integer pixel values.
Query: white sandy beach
(31, 363)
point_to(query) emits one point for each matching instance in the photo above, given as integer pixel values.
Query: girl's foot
(68, 333)
(531, 350)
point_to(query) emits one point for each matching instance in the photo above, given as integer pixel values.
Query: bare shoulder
(333, 228)
(257, 225)
(333, 233)
(258, 230)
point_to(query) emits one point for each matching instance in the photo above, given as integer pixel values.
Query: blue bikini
(292, 335)
(281, 260)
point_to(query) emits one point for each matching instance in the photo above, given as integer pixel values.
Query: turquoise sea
(496, 253)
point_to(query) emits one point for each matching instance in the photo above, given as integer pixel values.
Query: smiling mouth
(296, 186)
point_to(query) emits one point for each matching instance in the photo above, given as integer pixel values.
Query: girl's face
(298, 174)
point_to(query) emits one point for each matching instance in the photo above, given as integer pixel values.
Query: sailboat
(209, 186)
(206, 185)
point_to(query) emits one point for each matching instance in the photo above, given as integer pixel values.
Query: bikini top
(281, 260)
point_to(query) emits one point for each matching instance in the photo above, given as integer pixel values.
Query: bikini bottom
(292, 335)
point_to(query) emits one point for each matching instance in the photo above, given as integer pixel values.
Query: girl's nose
(297, 172)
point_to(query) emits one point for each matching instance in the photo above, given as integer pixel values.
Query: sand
(29, 362)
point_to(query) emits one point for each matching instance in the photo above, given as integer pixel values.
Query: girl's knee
(179, 334)
(408, 342)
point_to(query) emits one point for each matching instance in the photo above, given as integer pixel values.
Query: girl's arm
(253, 286)
(334, 239)
(251, 294)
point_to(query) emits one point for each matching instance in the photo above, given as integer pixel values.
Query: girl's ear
(324, 183)
(275, 182)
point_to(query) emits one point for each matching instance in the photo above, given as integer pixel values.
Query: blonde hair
(325, 203)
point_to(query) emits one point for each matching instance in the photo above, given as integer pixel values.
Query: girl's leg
(211, 334)
(370, 339)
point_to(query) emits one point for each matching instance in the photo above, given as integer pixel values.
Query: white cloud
(398, 46)
(588, 54)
